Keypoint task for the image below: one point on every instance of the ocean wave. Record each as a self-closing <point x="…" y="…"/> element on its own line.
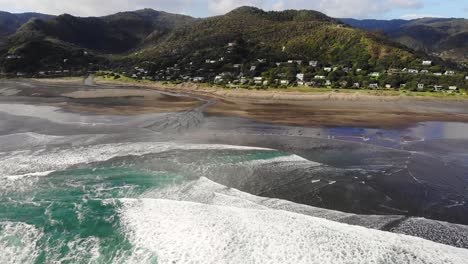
<point x="43" y="160"/>
<point x="190" y="232"/>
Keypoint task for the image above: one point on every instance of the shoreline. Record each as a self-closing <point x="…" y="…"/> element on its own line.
<point x="312" y="109"/>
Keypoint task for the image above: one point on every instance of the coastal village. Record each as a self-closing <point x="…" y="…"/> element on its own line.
<point x="424" y="75"/>
<point x="292" y="73"/>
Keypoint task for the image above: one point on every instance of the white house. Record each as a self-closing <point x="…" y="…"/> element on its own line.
<point x="218" y="79"/>
<point x="438" y="88"/>
<point x="388" y="86"/>
<point x="424" y="71"/>
<point x="328" y="83"/>
<point x="13" y="57"/>
<point x="253" y="68"/>
<point x="403" y="85"/>
<point x="413" y="71"/>
<point x="258" y="80"/>
<point x="236" y="65"/>
<point x="313" y="63"/>
<point x="374" y="85"/>
<point x="437" y="74"/>
<point x="319" y="77"/>
<point x="261" y="60"/>
<point x="427" y="63"/>
<point x="420" y="86"/>
<point x="356" y="85"/>
<point x="327" y="69"/>
<point x="284" y="82"/>
<point x="198" y="79"/>
<point x="466" y="77"/>
<point x="300" y="76"/>
<point x="453" y="88"/>
<point x="374" y="74"/>
<point x="449" y="73"/>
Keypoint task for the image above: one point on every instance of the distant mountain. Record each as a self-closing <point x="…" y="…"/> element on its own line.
<point x="66" y="37"/>
<point x="167" y="39"/>
<point x="9" y="22"/>
<point x="446" y="37"/>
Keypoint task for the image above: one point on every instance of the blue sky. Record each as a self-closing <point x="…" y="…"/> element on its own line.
<point x="380" y="9"/>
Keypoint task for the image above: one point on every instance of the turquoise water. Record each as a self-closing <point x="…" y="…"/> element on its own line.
<point x="71" y="216"/>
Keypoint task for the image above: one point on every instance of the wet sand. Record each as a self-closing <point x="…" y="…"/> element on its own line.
<point x="324" y="109"/>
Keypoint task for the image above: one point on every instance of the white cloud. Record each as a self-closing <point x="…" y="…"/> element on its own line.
<point x="352" y="8"/>
<point x="223" y="6"/>
<point x="416" y="16"/>
<point x="336" y="8"/>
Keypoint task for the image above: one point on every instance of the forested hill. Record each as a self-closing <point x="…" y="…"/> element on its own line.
<point x="277" y="36"/>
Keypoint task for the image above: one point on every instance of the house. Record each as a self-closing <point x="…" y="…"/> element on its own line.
<point x="236" y="65"/>
<point x="42" y="73"/>
<point x="10" y="57"/>
<point x="424" y="71"/>
<point x="374" y="85"/>
<point x="258" y="80"/>
<point x="313" y="63"/>
<point x="413" y="71"/>
<point x="243" y="80"/>
<point x="218" y="79"/>
<point x="388" y="86"/>
<point x="427" y="63"/>
<point x="300" y="83"/>
<point x="438" y="88"/>
<point x="284" y="82"/>
<point x="327" y="69"/>
<point x="466" y="78"/>
<point x="358" y="70"/>
<point x="253" y="68"/>
<point x="453" y="88"/>
<point x="300" y="76"/>
<point x="321" y="77"/>
<point x="374" y="74"/>
<point x="356" y="85"/>
<point x="262" y="60"/>
<point x="403" y="85"/>
<point x="437" y="74"/>
<point x="198" y="79"/>
<point x="449" y="73"/>
<point x="265" y="83"/>
<point x="328" y="83"/>
<point x="420" y="86"/>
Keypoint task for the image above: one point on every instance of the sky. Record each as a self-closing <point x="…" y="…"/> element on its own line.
<point x="378" y="9"/>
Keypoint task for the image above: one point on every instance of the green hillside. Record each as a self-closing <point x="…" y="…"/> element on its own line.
<point x="277" y="36"/>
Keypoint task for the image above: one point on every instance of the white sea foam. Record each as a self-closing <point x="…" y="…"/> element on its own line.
<point x="43" y="160"/>
<point x="18" y="242"/>
<point x="188" y="232"/>
<point x="284" y="159"/>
